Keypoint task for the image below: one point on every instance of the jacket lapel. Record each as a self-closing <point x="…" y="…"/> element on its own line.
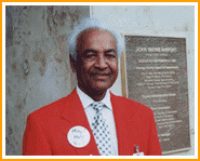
<point x="125" y="126"/>
<point x="125" y="120"/>
<point x="74" y="113"/>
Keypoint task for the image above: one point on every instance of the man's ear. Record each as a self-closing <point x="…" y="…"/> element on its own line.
<point x="73" y="64"/>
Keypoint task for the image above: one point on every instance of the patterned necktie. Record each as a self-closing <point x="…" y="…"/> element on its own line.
<point x="100" y="130"/>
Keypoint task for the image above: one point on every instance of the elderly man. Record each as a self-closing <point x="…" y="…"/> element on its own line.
<point x="91" y="120"/>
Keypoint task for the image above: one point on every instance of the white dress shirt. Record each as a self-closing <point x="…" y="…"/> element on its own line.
<point x="106" y="112"/>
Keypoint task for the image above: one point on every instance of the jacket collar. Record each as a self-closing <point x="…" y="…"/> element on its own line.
<point x="87" y="100"/>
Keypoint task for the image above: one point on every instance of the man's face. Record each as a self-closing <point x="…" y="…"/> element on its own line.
<point x="97" y="61"/>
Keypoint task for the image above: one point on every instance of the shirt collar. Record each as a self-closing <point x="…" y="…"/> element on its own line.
<point x="86" y="100"/>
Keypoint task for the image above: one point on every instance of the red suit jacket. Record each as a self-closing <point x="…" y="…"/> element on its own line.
<point x="47" y="128"/>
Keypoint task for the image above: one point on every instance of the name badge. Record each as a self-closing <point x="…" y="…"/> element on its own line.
<point x="137" y="153"/>
<point x="78" y="136"/>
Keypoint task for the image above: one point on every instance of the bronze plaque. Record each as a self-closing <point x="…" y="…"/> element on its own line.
<point x="156" y="75"/>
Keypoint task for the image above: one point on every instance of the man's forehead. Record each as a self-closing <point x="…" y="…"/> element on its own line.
<point x="93" y="32"/>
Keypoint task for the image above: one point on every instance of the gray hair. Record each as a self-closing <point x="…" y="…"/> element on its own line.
<point x="89" y="23"/>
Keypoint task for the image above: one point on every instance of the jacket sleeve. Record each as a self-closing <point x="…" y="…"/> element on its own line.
<point x="154" y="144"/>
<point x="34" y="141"/>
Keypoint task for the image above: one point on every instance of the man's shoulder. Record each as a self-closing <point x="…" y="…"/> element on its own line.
<point x="130" y="104"/>
<point x="55" y="108"/>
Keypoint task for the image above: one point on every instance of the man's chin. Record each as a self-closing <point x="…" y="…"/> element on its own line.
<point x="101" y="87"/>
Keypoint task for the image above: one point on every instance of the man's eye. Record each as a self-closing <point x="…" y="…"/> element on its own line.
<point x="110" y="55"/>
<point x="90" y="55"/>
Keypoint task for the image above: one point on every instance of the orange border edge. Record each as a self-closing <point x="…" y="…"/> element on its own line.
<point x="84" y="1"/>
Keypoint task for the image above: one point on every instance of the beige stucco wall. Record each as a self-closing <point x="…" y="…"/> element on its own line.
<point x="37" y="63"/>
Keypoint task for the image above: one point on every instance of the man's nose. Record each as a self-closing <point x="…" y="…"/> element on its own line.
<point x="101" y="62"/>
